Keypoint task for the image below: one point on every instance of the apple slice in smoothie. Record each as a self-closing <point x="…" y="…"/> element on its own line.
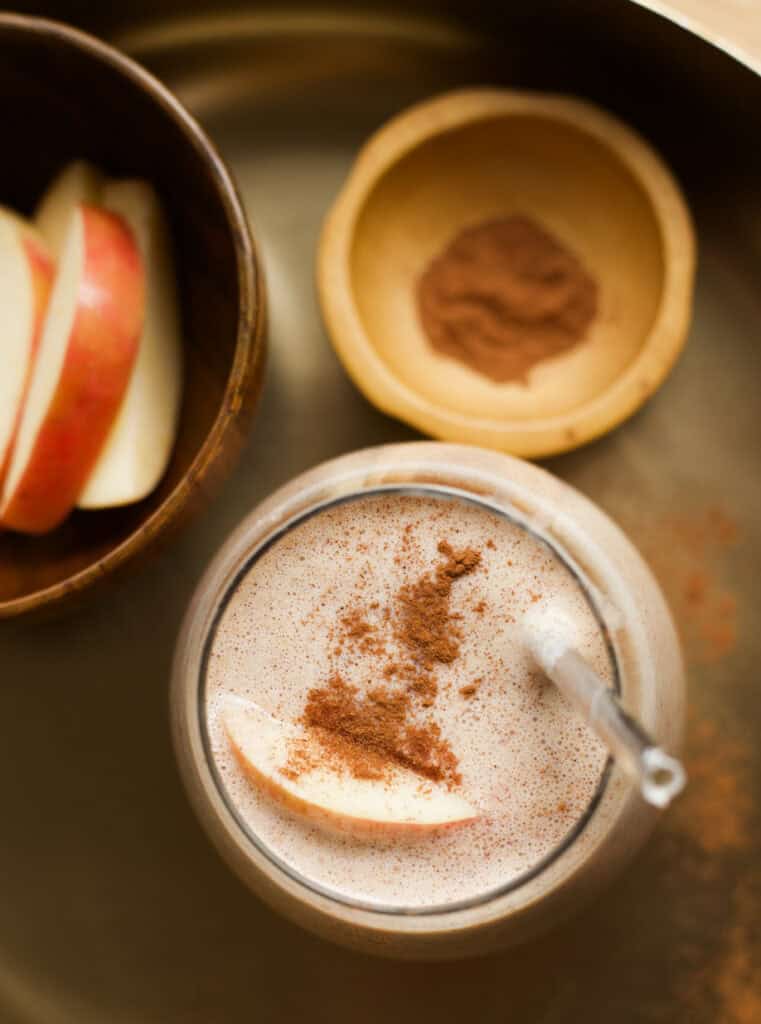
<point x="288" y="763"/>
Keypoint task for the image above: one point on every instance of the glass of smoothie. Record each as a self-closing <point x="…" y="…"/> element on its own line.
<point x="360" y="723"/>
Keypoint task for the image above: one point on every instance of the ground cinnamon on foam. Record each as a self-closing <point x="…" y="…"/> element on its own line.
<point x="369" y="733"/>
<point x="425" y="626"/>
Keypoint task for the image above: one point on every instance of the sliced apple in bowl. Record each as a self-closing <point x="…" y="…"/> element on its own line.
<point x="401" y="802"/>
<point x="78" y="182"/>
<point x="137" y="449"/>
<point x="86" y="354"/>
<point x="26" y="274"/>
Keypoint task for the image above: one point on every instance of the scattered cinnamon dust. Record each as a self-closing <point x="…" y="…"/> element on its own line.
<point x="710" y="846"/>
<point x="425" y="686"/>
<point x="738" y="973"/>
<point x="711" y="843"/>
<point x="357" y="630"/>
<point x="470" y="689"/>
<point x="687" y="555"/>
<point x="717" y="807"/>
<point x="301" y="759"/>
<point x="356" y="627"/>
<point x="708" y="609"/>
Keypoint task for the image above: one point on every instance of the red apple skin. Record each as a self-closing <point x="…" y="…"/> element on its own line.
<point x="100" y="353"/>
<point x="41" y="267"/>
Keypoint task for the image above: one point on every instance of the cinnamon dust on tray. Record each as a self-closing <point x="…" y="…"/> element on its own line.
<point x="709" y="846"/>
<point x="687" y="553"/>
<point x="709" y="849"/>
<point x="368" y="734"/>
<point x="717" y="810"/>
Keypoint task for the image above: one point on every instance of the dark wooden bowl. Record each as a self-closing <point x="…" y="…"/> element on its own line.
<point x="63" y="95"/>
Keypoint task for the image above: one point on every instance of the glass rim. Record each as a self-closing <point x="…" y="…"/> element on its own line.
<point x="411" y="489"/>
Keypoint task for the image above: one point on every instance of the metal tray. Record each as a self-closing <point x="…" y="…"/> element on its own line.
<point x="114" y="908"/>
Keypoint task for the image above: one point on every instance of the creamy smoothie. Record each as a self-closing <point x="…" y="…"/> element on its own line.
<point x="391" y="626"/>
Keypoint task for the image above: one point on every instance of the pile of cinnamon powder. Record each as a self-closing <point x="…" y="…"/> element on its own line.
<point x="505" y="295"/>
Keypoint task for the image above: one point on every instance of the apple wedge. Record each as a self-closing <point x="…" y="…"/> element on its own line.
<point x="26" y="275"/>
<point x="78" y="182"/>
<point x="138" y="447"/>
<point x="401" y="803"/>
<point x="30" y="234"/>
<point x="86" y="352"/>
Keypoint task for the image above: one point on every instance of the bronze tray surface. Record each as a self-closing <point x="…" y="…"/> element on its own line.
<point x="113" y="906"/>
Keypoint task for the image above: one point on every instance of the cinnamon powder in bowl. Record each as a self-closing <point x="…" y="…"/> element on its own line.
<point x="504" y="296"/>
<point x="508" y="269"/>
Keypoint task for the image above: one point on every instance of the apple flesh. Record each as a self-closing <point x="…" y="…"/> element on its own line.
<point x="138" y="447"/>
<point x="78" y="182"/>
<point x="26" y="274"/>
<point x="402" y="803"/>
<point x="86" y="354"/>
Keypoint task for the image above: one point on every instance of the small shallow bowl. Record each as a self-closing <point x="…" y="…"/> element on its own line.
<point x="479" y="154"/>
<point x="66" y="95"/>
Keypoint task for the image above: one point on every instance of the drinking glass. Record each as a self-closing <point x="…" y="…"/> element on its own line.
<point x="647" y="671"/>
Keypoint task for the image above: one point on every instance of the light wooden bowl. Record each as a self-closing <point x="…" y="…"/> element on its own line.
<point x="468" y="156"/>
<point x="66" y="95"/>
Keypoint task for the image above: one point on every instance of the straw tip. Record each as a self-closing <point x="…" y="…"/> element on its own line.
<point x="663" y="777"/>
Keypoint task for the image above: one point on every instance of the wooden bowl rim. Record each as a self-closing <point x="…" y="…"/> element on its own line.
<point x="249" y="348"/>
<point x="546" y="435"/>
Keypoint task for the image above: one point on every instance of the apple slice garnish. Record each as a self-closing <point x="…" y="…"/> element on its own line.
<point x="26" y="275"/>
<point x="86" y="352"/>
<point x="401" y="802"/>
<point x="78" y="182"/>
<point x="137" y="449"/>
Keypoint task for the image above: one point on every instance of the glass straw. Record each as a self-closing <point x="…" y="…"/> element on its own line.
<point x="659" y="775"/>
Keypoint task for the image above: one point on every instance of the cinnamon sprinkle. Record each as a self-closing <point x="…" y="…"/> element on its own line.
<point x="425" y="625"/>
<point x="355" y="625"/>
<point x="369" y="734"/>
<point x="471" y="689"/>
